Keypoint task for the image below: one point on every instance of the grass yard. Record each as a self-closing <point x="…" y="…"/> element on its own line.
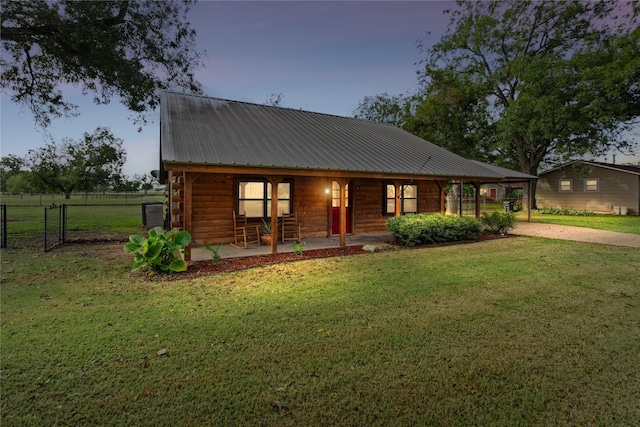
<point x="622" y="224"/>
<point x="518" y="331"/>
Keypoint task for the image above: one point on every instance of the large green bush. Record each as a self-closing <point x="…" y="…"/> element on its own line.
<point x="499" y="222"/>
<point x="411" y="230"/>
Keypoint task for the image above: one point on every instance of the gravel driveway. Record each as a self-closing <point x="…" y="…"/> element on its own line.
<point x="578" y="234"/>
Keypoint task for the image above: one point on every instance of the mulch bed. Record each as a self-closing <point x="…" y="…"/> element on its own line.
<point x="207" y="268"/>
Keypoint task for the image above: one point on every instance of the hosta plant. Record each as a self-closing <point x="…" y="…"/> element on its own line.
<point x="159" y="252"/>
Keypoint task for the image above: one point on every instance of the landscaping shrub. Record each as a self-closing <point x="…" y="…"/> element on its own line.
<point x="215" y="253"/>
<point x="411" y="230"/>
<point x="498" y="222"/>
<point x="160" y="252"/>
<point x="568" y="212"/>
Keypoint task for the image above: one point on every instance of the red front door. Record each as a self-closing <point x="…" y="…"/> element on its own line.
<point x="335" y="208"/>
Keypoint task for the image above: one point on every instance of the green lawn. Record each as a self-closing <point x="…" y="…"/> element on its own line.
<point x="622" y="224"/>
<point x="518" y="331"/>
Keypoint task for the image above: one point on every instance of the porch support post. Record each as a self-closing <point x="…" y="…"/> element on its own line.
<point x="528" y="184"/>
<point x="274" y="180"/>
<point x="398" y="198"/>
<point x="329" y="196"/>
<point x="189" y="178"/>
<point x="476" y="185"/>
<point x="343" y="210"/>
<point x="441" y="188"/>
<point x="461" y="195"/>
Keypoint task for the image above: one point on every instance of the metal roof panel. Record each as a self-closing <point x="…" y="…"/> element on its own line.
<point x="203" y="130"/>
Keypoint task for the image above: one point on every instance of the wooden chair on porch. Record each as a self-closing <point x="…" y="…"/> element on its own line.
<point x="244" y="236"/>
<point x="290" y="227"/>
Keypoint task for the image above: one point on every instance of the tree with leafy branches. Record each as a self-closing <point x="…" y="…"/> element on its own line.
<point x="129" y="49"/>
<point x="10" y="166"/>
<point x="19" y="183"/>
<point x="384" y="108"/>
<point x="522" y="83"/>
<point x="147" y="181"/>
<point x="94" y="161"/>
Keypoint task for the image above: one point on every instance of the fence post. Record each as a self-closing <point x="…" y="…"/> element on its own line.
<point x="45" y="228"/>
<point x="60" y="239"/>
<point x="63" y="214"/>
<point x="4" y="226"/>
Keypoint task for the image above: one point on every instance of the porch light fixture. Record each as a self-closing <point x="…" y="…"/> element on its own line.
<point x="327" y="191"/>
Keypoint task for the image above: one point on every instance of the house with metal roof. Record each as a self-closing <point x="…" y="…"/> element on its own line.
<point x="594" y="186"/>
<point x="338" y="175"/>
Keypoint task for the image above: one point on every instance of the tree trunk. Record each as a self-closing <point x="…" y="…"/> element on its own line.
<point x="531" y="168"/>
<point x="67" y="195"/>
<point x="529" y="163"/>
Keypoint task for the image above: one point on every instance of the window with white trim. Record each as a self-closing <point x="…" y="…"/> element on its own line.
<point x="408" y="199"/>
<point x="565" y="185"/>
<point x="254" y="198"/>
<point x="592" y="184"/>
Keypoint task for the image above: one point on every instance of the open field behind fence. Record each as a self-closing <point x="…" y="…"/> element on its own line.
<point x="81" y="199"/>
<point x="88" y="219"/>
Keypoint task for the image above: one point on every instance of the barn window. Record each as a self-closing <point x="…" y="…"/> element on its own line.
<point x="591" y="184"/>
<point x="408" y="199"/>
<point x="254" y="198"/>
<point x="565" y="185"/>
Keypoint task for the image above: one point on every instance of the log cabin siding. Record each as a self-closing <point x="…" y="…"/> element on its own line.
<point x="368" y="199"/>
<point x="212" y="209"/>
<point x="428" y="197"/>
<point x="311" y="203"/>
<point x="214" y="199"/>
<point x="616" y="188"/>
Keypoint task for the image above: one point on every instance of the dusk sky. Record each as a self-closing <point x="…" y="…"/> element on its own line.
<point x="322" y="56"/>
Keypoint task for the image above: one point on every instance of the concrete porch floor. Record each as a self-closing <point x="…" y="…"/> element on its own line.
<point x="200" y="253"/>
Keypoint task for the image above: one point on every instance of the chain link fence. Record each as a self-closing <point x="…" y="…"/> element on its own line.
<point x="35" y="227"/>
<point x="44" y="200"/>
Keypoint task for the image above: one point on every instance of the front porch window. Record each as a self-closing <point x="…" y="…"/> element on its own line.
<point x="408" y="199"/>
<point x="254" y="198"/>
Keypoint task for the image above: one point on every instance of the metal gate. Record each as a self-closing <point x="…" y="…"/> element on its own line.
<point x="55" y="226"/>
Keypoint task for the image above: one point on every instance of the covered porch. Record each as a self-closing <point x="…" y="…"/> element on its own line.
<point x="379" y="240"/>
